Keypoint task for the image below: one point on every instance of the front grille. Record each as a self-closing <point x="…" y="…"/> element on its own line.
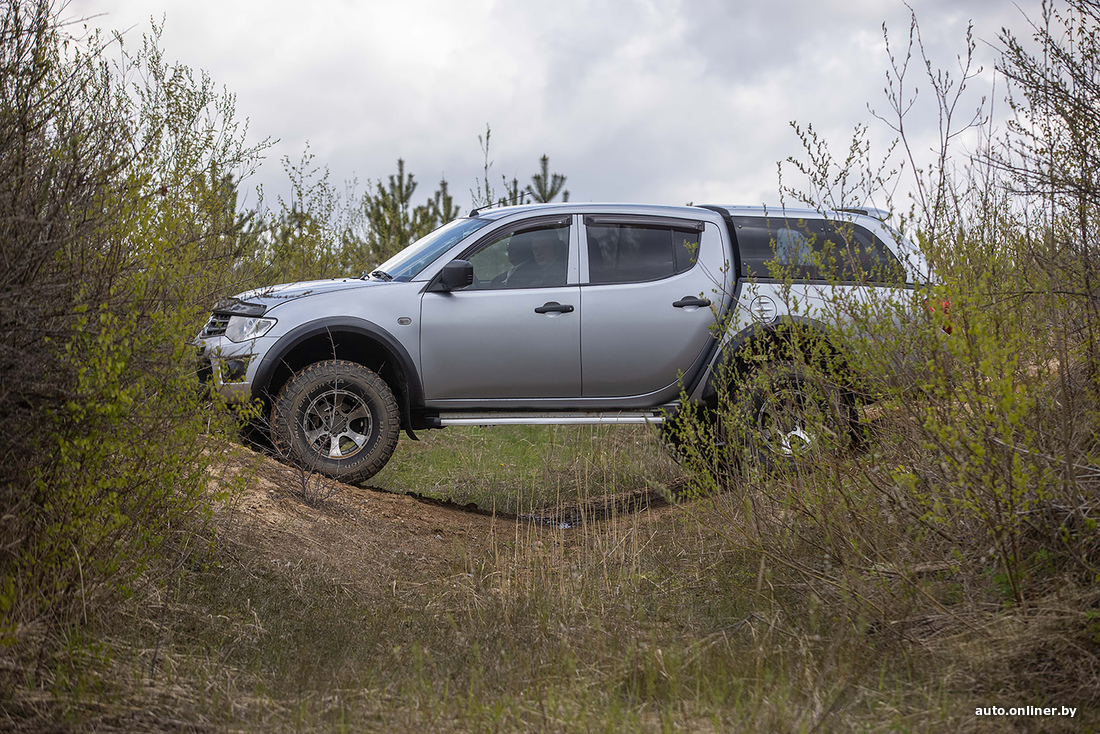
<point x="215" y="326"/>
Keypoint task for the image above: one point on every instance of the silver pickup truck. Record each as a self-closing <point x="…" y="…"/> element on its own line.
<point x="553" y="313"/>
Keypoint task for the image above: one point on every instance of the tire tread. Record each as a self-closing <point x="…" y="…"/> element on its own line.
<point x="286" y="407"/>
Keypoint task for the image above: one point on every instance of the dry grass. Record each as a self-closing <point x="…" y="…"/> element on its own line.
<point x="377" y="612"/>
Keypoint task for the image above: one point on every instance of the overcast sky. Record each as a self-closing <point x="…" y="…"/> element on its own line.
<point x="663" y="101"/>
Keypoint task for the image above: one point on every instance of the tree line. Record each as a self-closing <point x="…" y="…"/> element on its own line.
<point x="317" y="232"/>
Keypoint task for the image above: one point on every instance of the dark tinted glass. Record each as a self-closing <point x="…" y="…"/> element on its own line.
<point x="685" y="246"/>
<point x="813" y="249"/>
<point x="632" y="253"/>
<point x="786" y="243"/>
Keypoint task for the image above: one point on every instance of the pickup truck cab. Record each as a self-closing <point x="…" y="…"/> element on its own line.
<point x="553" y="313"/>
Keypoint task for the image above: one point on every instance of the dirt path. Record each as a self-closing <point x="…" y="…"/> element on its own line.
<point x="369" y="537"/>
<point x="375" y="539"/>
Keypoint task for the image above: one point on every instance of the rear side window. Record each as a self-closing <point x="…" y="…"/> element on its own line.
<point x="813" y="249"/>
<point x="631" y="252"/>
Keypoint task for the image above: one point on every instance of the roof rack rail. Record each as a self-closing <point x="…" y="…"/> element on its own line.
<point x="880" y="214"/>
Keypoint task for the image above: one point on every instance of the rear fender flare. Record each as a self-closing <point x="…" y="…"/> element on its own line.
<point x="734" y="356"/>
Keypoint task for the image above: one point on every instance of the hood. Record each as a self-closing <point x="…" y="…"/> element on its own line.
<point x="259" y="300"/>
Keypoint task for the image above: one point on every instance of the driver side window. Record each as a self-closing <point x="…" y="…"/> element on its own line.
<point x="526" y="258"/>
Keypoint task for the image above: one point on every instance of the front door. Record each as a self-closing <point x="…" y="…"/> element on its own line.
<point x="515" y="333"/>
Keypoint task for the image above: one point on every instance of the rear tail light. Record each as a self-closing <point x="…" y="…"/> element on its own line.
<point x="940" y="310"/>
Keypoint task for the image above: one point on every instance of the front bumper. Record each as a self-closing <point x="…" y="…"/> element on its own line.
<point x="226" y="367"/>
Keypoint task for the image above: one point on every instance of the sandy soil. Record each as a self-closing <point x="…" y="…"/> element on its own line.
<point x="371" y="538"/>
<point x="377" y="540"/>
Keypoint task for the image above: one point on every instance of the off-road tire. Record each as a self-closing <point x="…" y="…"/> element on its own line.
<point x="695" y="439"/>
<point x="788" y="414"/>
<point x="337" y="418"/>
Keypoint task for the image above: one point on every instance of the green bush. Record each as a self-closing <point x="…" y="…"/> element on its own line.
<point x="117" y="226"/>
<point x="972" y="488"/>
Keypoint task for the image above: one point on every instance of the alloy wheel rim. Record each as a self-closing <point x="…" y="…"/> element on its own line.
<point x="337" y="423"/>
<point x="782" y="421"/>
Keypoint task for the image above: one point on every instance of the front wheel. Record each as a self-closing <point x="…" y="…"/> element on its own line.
<point x="337" y="418"/>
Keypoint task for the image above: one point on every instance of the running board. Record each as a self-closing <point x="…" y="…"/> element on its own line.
<point x="551" y="419"/>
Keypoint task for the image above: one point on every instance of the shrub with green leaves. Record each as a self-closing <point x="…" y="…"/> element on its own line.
<point x="976" y="471"/>
<point x="117" y="229"/>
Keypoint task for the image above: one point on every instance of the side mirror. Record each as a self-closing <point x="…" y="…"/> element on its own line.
<point x="455" y="275"/>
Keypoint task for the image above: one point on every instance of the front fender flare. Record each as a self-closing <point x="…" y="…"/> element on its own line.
<point x="333" y="326"/>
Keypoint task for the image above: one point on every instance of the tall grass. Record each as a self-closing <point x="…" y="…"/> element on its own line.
<point x="658" y="620"/>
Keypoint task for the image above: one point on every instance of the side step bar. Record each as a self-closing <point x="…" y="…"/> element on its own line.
<point x="551" y="419"/>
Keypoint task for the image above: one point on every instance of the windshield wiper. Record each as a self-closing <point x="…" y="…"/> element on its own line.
<point x="380" y="274"/>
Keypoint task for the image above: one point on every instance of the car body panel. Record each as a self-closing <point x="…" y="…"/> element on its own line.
<point x="624" y="346"/>
<point x="492" y="344"/>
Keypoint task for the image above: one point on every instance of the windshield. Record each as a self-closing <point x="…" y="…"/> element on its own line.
<point x="408" y="263"/>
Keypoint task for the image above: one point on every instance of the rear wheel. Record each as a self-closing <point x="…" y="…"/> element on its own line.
<point x="337" y="418"/>
<point x="789" y="414"/>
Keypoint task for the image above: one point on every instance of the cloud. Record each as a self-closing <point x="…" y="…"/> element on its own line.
<point x="658" y="100"/>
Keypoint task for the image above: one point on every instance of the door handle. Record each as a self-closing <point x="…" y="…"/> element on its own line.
<point x="554" y="307"/>
<point x="691" y="301"/>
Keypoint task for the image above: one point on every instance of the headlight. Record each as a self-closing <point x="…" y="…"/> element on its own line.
<point x="243" y="328"/>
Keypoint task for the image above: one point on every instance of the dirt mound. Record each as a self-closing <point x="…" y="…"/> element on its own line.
<point x="378" y="541"/>
<point x="367" y="537"/>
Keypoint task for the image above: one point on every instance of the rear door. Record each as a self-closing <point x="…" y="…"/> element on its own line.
<point x="648" y="287"/>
